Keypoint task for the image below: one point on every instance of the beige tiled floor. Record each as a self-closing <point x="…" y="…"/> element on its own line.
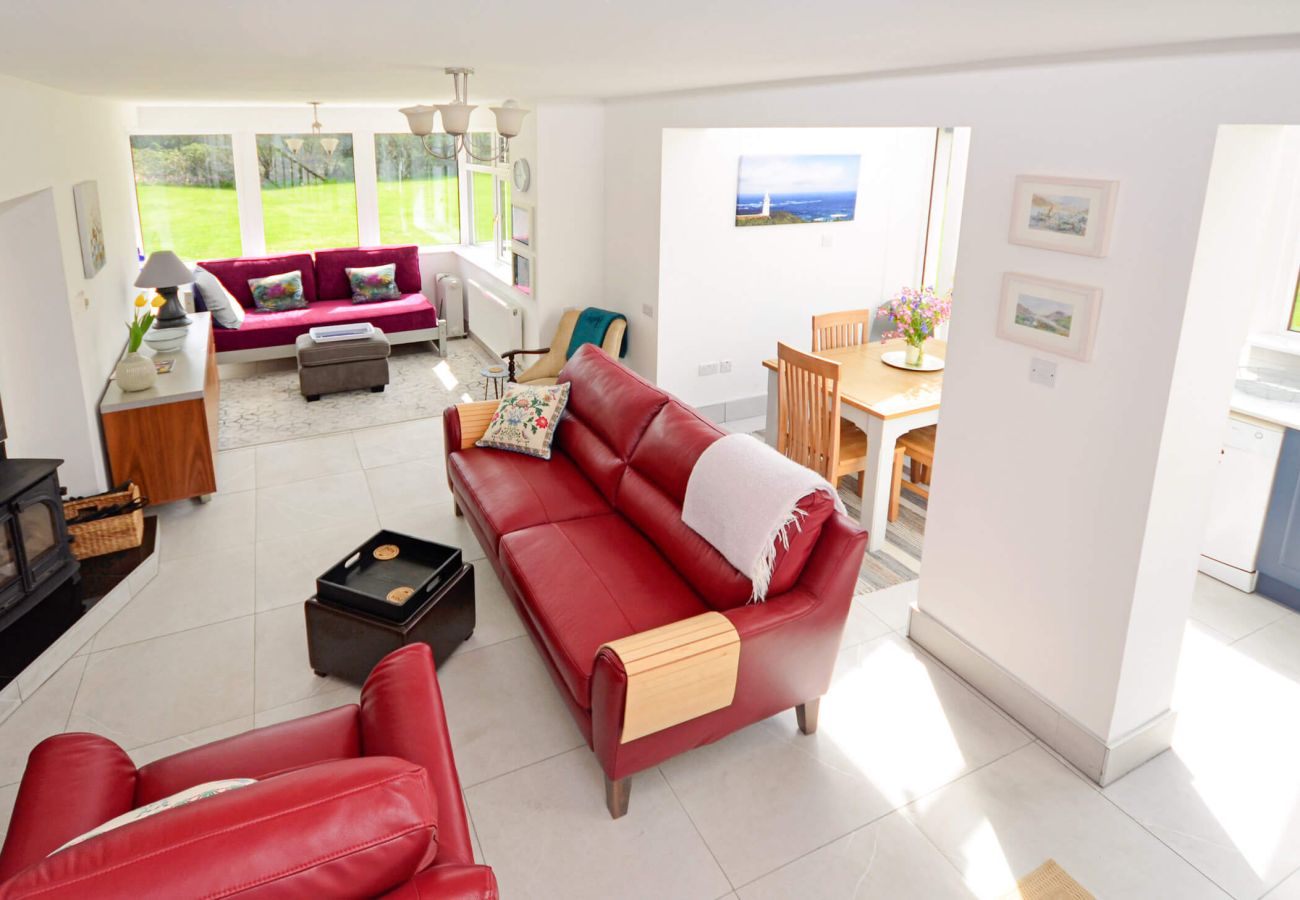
<point x="914" y="786"/>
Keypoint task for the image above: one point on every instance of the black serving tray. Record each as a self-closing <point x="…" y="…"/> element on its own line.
<point x="362" y="583"/>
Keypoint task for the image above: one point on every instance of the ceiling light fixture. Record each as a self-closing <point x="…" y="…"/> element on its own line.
<point x="328" y="144"/>
<point x="455" y="120"/>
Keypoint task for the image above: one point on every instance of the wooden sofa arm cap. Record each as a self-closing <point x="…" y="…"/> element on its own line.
<point x="474" y="420"/>
<point x="677" y="672"/>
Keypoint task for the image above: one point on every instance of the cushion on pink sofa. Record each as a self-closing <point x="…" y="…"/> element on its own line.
<point x="410" y="313"/>
<point x="332" y="265"/>
<point x="234" y="273"/>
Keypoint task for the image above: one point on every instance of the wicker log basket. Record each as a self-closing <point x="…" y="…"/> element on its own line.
<point x="105" y="535"/>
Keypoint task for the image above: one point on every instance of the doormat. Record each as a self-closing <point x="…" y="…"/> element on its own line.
<point x="1049" y="882"/>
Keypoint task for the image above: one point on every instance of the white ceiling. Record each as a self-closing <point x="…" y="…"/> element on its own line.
<point x="280" y="51"/>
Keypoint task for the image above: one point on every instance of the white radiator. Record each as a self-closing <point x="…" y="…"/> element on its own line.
<point x="451" y="303"/>
<point x="498" y="325"/>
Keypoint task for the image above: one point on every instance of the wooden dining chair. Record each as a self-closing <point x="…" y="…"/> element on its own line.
<point x="809" y="428"/>
<point x="841" y="329"/>
<point x="917" y="445"/>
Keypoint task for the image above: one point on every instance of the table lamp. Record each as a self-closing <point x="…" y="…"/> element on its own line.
<point x="164" y="272"/>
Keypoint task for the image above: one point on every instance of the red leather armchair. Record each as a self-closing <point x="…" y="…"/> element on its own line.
<point x="360" y="801"/>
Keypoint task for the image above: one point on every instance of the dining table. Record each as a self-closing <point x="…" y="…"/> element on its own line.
<point x="885" y="402"/>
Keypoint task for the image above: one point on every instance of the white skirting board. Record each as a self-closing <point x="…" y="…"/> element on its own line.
<point x="1102" y="761"/>
<point x="1230" y="575"/>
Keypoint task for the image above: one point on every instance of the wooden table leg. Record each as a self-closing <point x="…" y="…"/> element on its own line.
<point x="616" y="796"/>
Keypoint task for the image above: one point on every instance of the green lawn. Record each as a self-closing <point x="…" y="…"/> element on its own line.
<point x="203" y="223"/>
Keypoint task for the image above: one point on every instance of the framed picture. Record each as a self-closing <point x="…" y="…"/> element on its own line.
<point x="521" y="224"/>
<point x="1070" y="214"/>
<point x="1055" y="316"/>
<point x="90" y="227"/>
<point x="521" y="272"/>
<point x="797" y="190"/>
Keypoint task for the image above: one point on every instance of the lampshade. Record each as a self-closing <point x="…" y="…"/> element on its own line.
<point x="163" y="269"/>
<point x="455" y="117"/>
<point x="510" y="118"/>
<point x="420" y="118"/>
<point x="294" y="145"/>
<point x="329" y="145"/>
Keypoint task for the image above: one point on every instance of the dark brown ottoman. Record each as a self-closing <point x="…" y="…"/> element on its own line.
<point x="334" y="366"/>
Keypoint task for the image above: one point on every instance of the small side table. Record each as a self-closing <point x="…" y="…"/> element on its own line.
<point x="347" y="643"/>
<point x="494" y="380"/>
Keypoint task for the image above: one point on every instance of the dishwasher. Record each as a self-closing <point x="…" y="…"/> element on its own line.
<point x="1239" y="504"/>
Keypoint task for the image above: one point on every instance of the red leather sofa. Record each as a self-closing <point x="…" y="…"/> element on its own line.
<point x="591" y="548"/>
<point x="325" y="286"/>
<point x="360" y="801"/>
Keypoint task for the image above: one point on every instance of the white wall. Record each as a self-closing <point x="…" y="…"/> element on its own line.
<point x="53" y="140"/>
<point x="729" y="293"/>
<point x="1038" y="527"/>
<point x="569" y="219"/>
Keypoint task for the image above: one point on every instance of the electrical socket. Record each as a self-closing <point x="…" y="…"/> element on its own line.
<point x="710" y="368"/>
<point x="1042" y="371"/>
<point x="647" y="310"/>
<point x="725" y="366"/>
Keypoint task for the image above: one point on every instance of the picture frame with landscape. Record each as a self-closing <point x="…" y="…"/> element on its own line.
<point x="1073" y="215"/>
<point x="797" y="189"/>
<point x="1055" y="316"/>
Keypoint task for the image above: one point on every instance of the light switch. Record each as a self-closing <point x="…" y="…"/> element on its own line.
<point x="1042" y="371"/>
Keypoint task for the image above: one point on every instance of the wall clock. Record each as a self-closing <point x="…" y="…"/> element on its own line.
<point x="523" y="175"/>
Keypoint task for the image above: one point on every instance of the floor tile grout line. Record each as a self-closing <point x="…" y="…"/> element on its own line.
<point x="703" y="840"/>
<point x="1101" y="792"/>
<point x="186" y="630"/>
<point x="1233" y="643"/>
<point x="1284" y="879"/>
<point x="1010" y="719"/>
<point x="81" y="679"/>
<point x="478" y="784"/>
<point x="887" y="813"/>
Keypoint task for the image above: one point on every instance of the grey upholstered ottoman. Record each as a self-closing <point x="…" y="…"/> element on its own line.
<point x="334" y="366"/>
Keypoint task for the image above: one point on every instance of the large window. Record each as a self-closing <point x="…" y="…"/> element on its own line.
<point x="418" y="195"/>
<point x="185" y="191"/>
<point x="309" y="196"/>
<point x="489" y="188"/>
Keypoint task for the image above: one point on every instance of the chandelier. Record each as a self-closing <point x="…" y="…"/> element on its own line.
<point x="328" y="144"/>
<point x="455" y="121"/>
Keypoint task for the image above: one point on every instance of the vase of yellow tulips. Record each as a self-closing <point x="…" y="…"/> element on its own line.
<point x="136" y="372"/>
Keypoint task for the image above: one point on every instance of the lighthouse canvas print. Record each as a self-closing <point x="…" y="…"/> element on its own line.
<point x="797" y="189"/>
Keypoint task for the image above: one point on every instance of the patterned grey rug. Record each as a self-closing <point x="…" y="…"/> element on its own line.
<point x="900" y="559"/>
<point x="266" y="406"/>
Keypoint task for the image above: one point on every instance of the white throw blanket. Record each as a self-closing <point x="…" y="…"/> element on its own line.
<point x="742" y="498"/>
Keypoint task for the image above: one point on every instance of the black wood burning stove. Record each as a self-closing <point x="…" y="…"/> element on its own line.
<point x="35" y="559"/>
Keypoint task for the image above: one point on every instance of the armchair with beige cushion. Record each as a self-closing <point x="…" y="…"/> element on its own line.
<point x="547" y="369"/>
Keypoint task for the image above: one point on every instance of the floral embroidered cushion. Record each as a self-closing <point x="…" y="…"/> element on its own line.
<point x="374" y="283"/>
<point x="525" y="419"/>
<point x="276" y="293"/>
<point x="181" y="798"/>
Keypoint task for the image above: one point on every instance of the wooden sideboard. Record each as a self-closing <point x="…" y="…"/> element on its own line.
<point x="165" y="439"/>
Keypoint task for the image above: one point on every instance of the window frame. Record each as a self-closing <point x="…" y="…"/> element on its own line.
<point x="138" y="218"/>
<point x="365" y="177"/>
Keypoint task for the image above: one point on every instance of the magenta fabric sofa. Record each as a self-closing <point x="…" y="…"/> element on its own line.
<point x="413" y="317"/>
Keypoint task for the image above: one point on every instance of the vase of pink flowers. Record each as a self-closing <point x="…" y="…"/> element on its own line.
<point x="916" y="315"/>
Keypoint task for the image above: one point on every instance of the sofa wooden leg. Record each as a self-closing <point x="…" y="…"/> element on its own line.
<point x="616" y="796"/>
<point x="806" y="713"/>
